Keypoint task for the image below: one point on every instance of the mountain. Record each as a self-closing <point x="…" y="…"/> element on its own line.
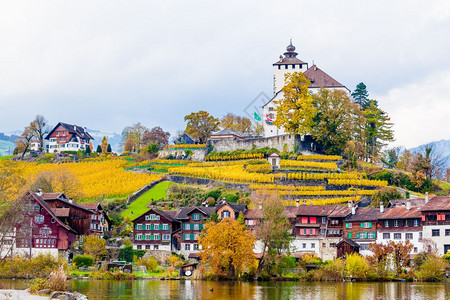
<point x="114" y="139"/>
<point x="441" y="147"/>
<point x="6" y="147"/>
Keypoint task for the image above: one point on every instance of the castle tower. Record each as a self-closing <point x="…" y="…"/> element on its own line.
<point x="287" y="64"/>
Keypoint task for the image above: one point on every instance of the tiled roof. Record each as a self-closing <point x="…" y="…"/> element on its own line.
<point x="365" y="214"/>
<point x="340" y="211"/>
<point x="72" y="129"/>
<point x="400" y="212"/>
<point x="350" y="242"/>
<point x="90" y="206"/>
<point x="289" y="61"/>
<point x="236" y="207"/>
<point x="402" y="202"/>
<point x="61" y="212"/>
<point x="185" y="211"/>
<point x="47" y="196"/>
<point x="228" y="132"/>
<point x="437" y="203"/>
<point x="320" y="79"/>
<point x="167" y="214"/>
<point x="314" y="210"/>
<point x="253" y="214"/>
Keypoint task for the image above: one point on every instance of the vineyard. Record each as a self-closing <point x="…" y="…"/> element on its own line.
<point x="86" y="180"/>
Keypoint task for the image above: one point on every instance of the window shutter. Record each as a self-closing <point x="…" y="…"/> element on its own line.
<point x="200" y="226"/>
<point x="192" y="236"/>
<point x="375" y="234"/>
<point x="366" y="235"/>
<point x="357" y="235"/>
<point x="136" y="237"/>
<point x="346" y="225"/>
<point x="370" y="224"/>
<point x="151" y="237"/>
<point x="349" y="235"/>
<point x="192" y="226"/>
<point x="184" y="237"/>
<point x="362" y="224"/>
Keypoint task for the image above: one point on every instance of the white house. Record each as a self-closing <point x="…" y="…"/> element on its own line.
<point x="289" y="63"/>
<point x="436" y="225"/>
<point x="67" y="137"/>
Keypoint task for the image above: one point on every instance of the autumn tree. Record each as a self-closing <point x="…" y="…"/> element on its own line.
<point x="378" y="130"/>
<point x="11" y="181"/>
<point x="227" y="247"/>
<point x="130" y="146"/>
<point x="379" y="260"/>
<point x="104" y="145"/>
<point x="234" y="122"/>
<point x="258" y="128"/>
<point x="273" y="231"/>
<point x="429" y="161"/>
<point x="295" y="111"/>
<point x="156" y="135"/>
<point x="40" y="128"/>
<point x="24" y="141"/>
<point x="61" y="181"/>
<point x="200" y="125"/>
<point x="94" y="246"/>
<point x="361" y="95"/>
<point x="334" y="119"/>
<point x="400" y="254"/>
<point x="134" y="134"/>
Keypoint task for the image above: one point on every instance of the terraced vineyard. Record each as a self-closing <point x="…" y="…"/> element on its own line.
<point x="322" y="183"/>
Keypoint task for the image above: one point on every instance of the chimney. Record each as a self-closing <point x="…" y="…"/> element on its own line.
<point x="426" y="198"/>
<point x="315" y="68"/>
<point x="39" y="193"/>
<point x="75" y="127"/>
<point x="350" y="204"/>
<point x="353" y="210"/>
<point x="297" y="203"/>
<point x="70" y="201"/>
<point x="408" y="204"/>
<point x="281" y="58"/>
<point x="260" y="207"/>
<point x="381" y="207"/>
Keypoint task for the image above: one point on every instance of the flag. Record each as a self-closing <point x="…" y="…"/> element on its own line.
<point x="257" y="117"/>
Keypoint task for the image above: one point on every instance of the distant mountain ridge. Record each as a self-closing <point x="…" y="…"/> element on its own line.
<point x="442" y="147"/>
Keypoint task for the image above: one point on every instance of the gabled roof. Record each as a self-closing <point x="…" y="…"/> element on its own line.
<point x="228" y="131"/>
<point x="400" y="212"/>
<point x="365" y="214"/>
<point x="61" y="212"/>
<point x="90" y="206"/>
<point x="320" y="79"/>
<point x="236" y="207"/>
<point x="437" y="203"/>
<point x="348" y="241"/>
<point x="314" y="210"/>
<point x="289" y="61"/>
<point x="72" y="129"/>
<point x="340" y="211"/>
<point x="185" y="211"/>
<point x="47" y="196"/>
<point x="402" y="202"/>
<point x="67" y="202"/>
<point x="48" y="209"/>
<point x="169" y="215"/>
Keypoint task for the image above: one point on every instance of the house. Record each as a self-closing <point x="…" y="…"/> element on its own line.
<point x="41" y="230"/>
<point x="436" y="224"/>
<point x="83" y="220"/>
<point x="274" y="160"/>
<point x="184" y="138"/>
<point x="229" y="209"/>
<point x="361" y="227"/>
<point x="154" y="229"/>
<point x="334" y="232"/>
<point x="67" y="137"/>
<point x="288" y="64"/>
<point x="401" y="224"/>
<point x="100" y="222"/>
<point x="346" y="246"/>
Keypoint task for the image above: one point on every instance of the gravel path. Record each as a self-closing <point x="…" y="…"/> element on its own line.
<point x="19" y="295"/>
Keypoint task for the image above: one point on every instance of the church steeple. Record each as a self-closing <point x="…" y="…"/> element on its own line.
<point x="290" y="50"/>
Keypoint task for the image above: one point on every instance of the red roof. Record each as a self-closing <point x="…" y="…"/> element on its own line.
<point x="47" y="196"/>
<point x="90" y="206"/>
<point x="400" y="212"/>
<point x="320" y="79"/>
<point x="61" y="212"/>
<point x="437" y="203"/>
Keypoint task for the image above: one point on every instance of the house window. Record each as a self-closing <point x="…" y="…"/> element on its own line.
<point x="45" y="231"/>
<point x="304" y="245"/>
<point x="152" y="217"/>
<point x="312" y="220"/>
<point x="165" y="227"/>
<point x="366" y="225"/>
<point x="324" y="220"/>
<point x="324" y="245"/>
<point x="310" y="231"/>
<point x="397" y="236"/>
<point x="408" y="236"/>
<point x="293" y="66"/>
<point x="416" y="223"/>
<point x="371" y="235"/>
<point x="195" y="246"/>
<point x="332" y="245"/>
<point x="447" y="217"/>
<point x="386" y="236"/>
<point x="431" y="218"/>
<point x="386" y="224"/>
<point x="395" y="223"/>
<point x="196" y="217"/>
<point x="334" y="222"/>
<point x="364" y="247"/>
<point x="39" y="219"/>
<point x="156" y="226"/>
<point x="285" y="66"/>
<point x="322" y="231"/>
<point x="279" y="67"/>
<point x="415" y="249"/>
<point x="270" y="108"/>
<point x="147" y="247"/>
<point x="250" y="222"/>
<point x="155" y="247"/>
<point x="313" y="245"/>
<point x="304" y="220"/>
<point x="348" y="225"/>
<point x="225" y="214"/>
<point x="139" y="247"/>
<point x="148" y="227"/>
<point x="166" y="237"/>
<point x="187" y="247"/>
<point x="420" y="236"/>
<point x="447" y="232"/>
<point x="435" y="232"/>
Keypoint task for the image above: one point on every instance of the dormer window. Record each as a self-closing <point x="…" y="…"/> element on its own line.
<point x="225" y="214"/>
<point x="196" y="217"/>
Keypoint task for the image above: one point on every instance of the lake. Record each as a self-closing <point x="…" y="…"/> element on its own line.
<point x="156" y="289"/>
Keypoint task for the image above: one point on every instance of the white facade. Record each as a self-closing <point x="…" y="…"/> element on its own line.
<point x="74" y="145"/>
<point x="414" y="237"/>
<point x="188" y="248"/>
<point x="439" y="235"/>
<point x="305" y="245"/>
<point x="150" y="246"/>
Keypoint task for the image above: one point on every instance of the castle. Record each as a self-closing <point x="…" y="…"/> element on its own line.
<point x="290" y="64"/>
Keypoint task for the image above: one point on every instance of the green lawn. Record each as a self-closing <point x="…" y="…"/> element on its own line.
<point x="6" y="157"/>
<point x="139" y="206"/>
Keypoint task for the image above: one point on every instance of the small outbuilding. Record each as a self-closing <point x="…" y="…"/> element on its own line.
<point x="274" y="159"/>
<point x="188" y="270"/>
<point x="347" y="246"/>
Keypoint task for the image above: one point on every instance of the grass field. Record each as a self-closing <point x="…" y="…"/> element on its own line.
<point x="139" y="206"/>
<point x="6" y="157"/>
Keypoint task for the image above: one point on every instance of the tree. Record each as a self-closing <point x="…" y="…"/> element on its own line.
<point x="152" y="148"/>
<point x="134" y="133"/>
<point x="88" y="150"/>
<point x="380" y="258"/>
<point x="156" y="135"/>
<point x="429" y="162"/>
<point x="258" y="128"/>
<point x="227" y="247"/>
<point x="99" y="149"/>
<point x="334" y="120"/>
<point x="61" y="181"/>
<point x="391" y="157"/>
<point x="356" y="266"/>
<point x="24" y="141"/>
<point x="400" y="254"/>
<point x="296" y="111"/>
<point x="104" y="145"/>
<point x="361" y="95"/>
<point x="130" y="145"/>
<point x="40" y="128"/>
<point x="378" y="129"/>
<point x="273" y="231"/>
<point x="234" y="122"/>
<point x="94" y="246"/>
<point x="108" y="149"/>
<point x="200" y="125"/>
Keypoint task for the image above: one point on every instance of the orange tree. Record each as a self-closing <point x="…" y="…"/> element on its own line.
<point x="227" y="247"/>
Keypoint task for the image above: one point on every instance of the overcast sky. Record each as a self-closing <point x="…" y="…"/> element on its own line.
<point x="109" y="64"/>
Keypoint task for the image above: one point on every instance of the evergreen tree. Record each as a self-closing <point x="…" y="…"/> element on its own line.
<point x="99" y="149"/>
<point x="109" y="150"/>
<point x="88" y="150"/>
<point x="361" y="95"/>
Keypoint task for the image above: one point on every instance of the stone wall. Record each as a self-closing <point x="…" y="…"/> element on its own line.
<point x="278" y="142"/>
<point x="202" y="181"/>
<point x="197" y="154"/>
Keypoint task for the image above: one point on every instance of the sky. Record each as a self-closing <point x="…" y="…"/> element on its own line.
<point x="105" y="65"/>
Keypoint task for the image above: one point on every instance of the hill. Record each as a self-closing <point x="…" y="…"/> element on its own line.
<point x="442" y="148"/>
<point x="6" y="147"/>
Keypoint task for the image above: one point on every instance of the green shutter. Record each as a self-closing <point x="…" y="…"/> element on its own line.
<point x="366" y="235"/>
<point x="375" y="234"/>
<point x="192" y="226"/>
<point x="357" y="235"/>
<point x="346" y="225"/>
<point x="200" y="226"/>
<point x="159" y="237"/>
<point x="192" y="236"/>
<point x="370" y="224"/>
<point x="184" y="238"/>
<point x="151" y="237"/>
<point x="349" y="235"/>
<point x="136" y="237"/>
<point x="362" y="224"/>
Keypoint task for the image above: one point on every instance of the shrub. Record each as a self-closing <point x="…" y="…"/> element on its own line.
<point x="332" y="270"/>
<point x="38" y="266"/>
<point x="57" y="281"/>
<point x="151" y="263"/>
<point x="356" y="266"/>
<point x="384" y="195"/>
<point x="83" y="261"/>
<point x="231" y="197"/>
<point x="433" y="269"/>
